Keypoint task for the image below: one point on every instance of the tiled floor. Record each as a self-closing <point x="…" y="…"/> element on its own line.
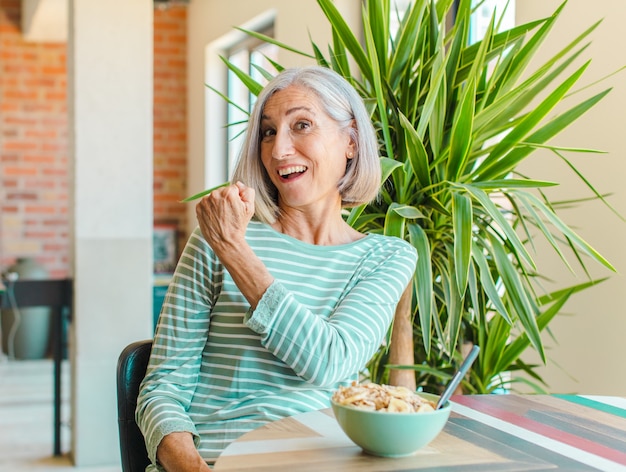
<point x="26" y="430"/>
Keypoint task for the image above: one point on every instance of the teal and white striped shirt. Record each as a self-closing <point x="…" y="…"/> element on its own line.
<point x="219" y="369"/>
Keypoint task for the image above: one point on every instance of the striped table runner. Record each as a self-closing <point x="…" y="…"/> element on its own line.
<point x="484" y="433"/>
<point x="570" y="432"/>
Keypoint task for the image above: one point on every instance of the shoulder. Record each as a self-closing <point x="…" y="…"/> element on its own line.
<point x="258" y="233"/>
<point x="391" y="244"/>
<point x="258" y="227"/>
<point x="389" y="253"/>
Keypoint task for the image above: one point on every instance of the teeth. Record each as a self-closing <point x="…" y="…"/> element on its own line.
<point x="291" y="170"/>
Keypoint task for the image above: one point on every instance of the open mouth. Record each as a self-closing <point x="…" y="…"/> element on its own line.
<point x="292" y="172"/>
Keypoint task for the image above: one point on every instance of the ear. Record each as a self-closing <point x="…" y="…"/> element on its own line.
<point x="350" y="151"/>
<point x="352" y="134"/>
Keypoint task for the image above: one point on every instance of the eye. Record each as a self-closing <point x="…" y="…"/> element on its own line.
<point x="267" y="132"/>
<point x="302" y="125"/>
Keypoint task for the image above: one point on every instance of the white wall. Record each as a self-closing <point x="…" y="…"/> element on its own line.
<point x="209" y="20"/>
<point x="589" y="354"/>
<point x="110" y="98"/>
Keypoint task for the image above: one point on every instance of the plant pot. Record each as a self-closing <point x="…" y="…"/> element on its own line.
<point x="25" y="331"/>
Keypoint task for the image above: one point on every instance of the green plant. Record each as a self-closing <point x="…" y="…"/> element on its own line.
<point x="455" y="121"/>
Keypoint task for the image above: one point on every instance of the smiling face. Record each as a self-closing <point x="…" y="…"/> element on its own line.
<point x="303" y="150"/>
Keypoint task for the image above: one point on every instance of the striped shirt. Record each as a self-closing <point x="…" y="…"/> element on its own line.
<point x="219" y="369"/>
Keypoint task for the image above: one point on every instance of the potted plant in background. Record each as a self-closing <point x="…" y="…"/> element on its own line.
<point x="455" y="121"/>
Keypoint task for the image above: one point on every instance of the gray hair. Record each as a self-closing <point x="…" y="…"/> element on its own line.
<point x="361" y="181"/>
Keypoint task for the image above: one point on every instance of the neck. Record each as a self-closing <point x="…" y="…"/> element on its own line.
<point x="318" y="231"/>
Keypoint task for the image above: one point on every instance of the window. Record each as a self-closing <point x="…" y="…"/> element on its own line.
<point x="221" y="141"/>
<point x="245" y="55"/>
<point x="504" y="9"/>
<point x="505" y="15"/>
<point x="398" y="10"/>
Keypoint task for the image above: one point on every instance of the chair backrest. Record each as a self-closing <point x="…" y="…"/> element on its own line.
<point x="131" y="369"/>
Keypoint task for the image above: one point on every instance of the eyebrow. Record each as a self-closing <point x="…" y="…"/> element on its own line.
<point x="290" y="111"/>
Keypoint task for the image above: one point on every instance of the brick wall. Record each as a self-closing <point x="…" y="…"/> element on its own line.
<point x="33" y="147"/>
<point x="34" y="168"/>
<point x="170" y="116"/>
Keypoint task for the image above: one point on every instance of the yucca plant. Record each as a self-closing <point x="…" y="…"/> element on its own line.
<point x="455" y="121"/>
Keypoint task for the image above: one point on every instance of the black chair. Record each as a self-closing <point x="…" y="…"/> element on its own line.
<point x="131" y="369"/>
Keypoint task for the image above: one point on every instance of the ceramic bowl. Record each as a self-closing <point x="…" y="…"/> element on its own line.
<point x="387" y="434"/>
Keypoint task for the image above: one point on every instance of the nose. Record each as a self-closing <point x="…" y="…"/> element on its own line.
<point x="283" y="144"/>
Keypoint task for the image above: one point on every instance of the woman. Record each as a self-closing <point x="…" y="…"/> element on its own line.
<point x="276" y="300"/>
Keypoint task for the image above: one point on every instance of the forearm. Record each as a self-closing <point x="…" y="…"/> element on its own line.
<point x="170" y="382"/>
<point x="177" y="453"/>
<point x="322" y="351"/>
<point x="246" y="269"/>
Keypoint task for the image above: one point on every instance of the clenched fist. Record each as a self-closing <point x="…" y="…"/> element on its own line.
<point x="224" y="214"/>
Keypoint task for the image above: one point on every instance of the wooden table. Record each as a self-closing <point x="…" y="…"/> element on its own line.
<point x="484" y="433"/>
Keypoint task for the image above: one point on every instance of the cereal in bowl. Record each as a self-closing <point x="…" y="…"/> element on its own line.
<point x="372" y="396"/>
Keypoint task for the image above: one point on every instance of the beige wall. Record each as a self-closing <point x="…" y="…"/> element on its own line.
<point x="589" y="354"/>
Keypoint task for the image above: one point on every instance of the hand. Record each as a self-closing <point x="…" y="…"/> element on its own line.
<point x="177" y="453"/>
<point x="224" y="214"/>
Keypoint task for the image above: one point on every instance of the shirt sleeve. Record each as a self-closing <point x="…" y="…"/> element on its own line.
<point x="173" y="370"/>
<point x="324" y="351"/>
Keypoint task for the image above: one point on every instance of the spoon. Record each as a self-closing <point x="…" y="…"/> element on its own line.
<point x="456" y="380"/>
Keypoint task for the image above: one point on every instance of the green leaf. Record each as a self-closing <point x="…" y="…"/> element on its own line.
<point x="488" y="169"/>
<point x="563" y="228"/>
<point x="502" y="184"/>
<point x="354" y="215"/>
<point x="253" y="86"/>
<point x="204" y="193"/>
<point x="454" y="54"/>
<point x="405" y="46"/>
<point x="488" y="284"/>
<point x="498" y="337"/>
<point x="423" y="280"/>
<point x="417" y="153"/>
<point x="394" y="221"/>
<point x="369" y="222"/>
<point x="454" y="305"/>
<point x="344" y="32"/>
<point x="228" y="100"/>
<point x="536" y="219"/>
<point x="552" y="128"/>
<point x="525" y="55"/>
<point x="501" y="221"/>
<point x="462" y="221"/>
<point x="377" y="75"/>
<point x="517" y="294"/>
<point x="461" y="139"/>
<point x="515" y="348"/>
<point x="266" y="74"/>
<point x="408" y="212"/>
<point x="271" y="40"/>
<point x="339" y="57"/>
<point x="378" y="18"/>
<point x="437" y="80"/>
<point x="319" y="57"/>
<point x="388" y="165"/>
<point x="555" y="295"/>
